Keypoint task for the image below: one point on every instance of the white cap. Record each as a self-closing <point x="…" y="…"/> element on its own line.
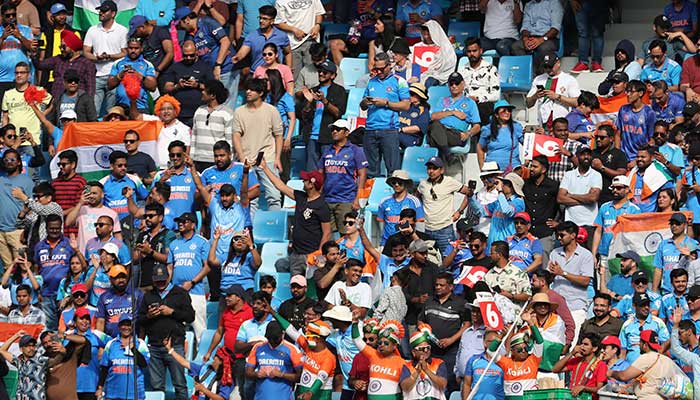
<point x="620" y="180"/>
<point x="68" y="114"/>
<point x="111" y="248"/>
<point x="341" y="123"/>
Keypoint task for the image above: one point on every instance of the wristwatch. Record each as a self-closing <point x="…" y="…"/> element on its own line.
<point x="545" y="38"/>
<point x="565" y="274"/>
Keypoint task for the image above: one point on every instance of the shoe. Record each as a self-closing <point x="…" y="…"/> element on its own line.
<point x="596" y="67"/>
<point x="580" y="67"/>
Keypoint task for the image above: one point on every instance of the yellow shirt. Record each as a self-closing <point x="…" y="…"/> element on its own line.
<point x="21" y="115"/>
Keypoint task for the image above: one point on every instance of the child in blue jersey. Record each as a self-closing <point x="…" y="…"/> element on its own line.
<point x="268" y="284"/>
<point x="21" y="274"/>
<point x="120" y="356"/>
<point x="635" y="121"/>
<point x="242" y="262"/>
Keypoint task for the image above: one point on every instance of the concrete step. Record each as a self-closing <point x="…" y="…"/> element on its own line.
<point x="628" y="30"/>
<point x="640" y="15"/>
<point x="652" y="4"/>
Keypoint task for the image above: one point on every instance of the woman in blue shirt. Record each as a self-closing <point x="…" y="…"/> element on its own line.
<point x="241" y="263"/>
<point x="414" y="122"/>
<point x="21" y="274"/>
<point x="499" y="139"/>
<point x="278" y="97"/>
<point x="77" y="273"/>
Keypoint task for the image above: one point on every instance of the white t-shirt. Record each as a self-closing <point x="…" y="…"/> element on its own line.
<point x="176" y="131"/>
<point x="498" y="22"/>
<point x="575" y="183"/>
<point x="300" y="14"/>
<point x="359" y="295"/>
<point x="110" y="41"/>
<point x="567" y="86"/>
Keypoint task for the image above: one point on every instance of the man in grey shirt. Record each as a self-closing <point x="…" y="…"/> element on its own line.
<point x="308" y="76"/>
<point x="573" y="267"/>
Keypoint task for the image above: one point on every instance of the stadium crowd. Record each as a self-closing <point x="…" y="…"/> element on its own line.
<point x="204" y="199"/>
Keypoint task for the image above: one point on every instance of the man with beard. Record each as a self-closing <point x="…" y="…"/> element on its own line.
<point x="164" y="313"/>
<point x="180" y="177"/>
<point x="670" y="251"/>
<point x="677" y="298"/>
<point x="624" y="64"/>
<point x="225" y="171"/>
<point x="90" y="207"/>
<point x="540" y="203"/>
<point x="482" y="79"/>
<point x="607" y="217"/>
<point x="643" y="198"/>
<point x="669" y="154"/>
<point x="293" y="309"/>
<point x="579" y="191"/>
<point x="70" y="58"/>
<point x="52" y="35"/>
<point x="68" y="186"/>
<point x="608" y="160"/>
<point x="273" y="366"/>
<point x="31" y="366"/>
<point x="602" y="323"/>
<point x="541" y="281"/>
<point x="592" y="377"/>
<point x="184" y="80"/>
<point x="157" y="43"/>
<point x="641" y="320"/>
<point x="525" y="248"/>
<point x="560" y="130"/>
<point x="421" y="282"/>
<point x="152" y="243"/>
<point x="251" y="333"/>
<point x="133" y="63"/>
<point x="118" y="179"/>
<point x="620" y="284"/>
<point x="9" y="234"/>
<point x="65" y="352"/>
<point x="116" y="301"/>
<point x="121" y="355"/>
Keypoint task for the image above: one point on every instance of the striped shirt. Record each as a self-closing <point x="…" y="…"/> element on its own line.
<point x="208" y="128"/>
<point x="68" y="192"/>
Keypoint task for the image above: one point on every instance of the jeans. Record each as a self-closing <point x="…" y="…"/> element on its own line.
<point x="378" y="143"/>
<point x="272" y="195"/>
<point x="156" y="368"/>
<point x="590" y="24"/>
<point x="231" y="80"/>
<point x="442" y="237"/>
<point x="49" y="306"/>
<point x="103" y="96"/>
<point x="406" y="140"/>
<point x="502" y="46"/>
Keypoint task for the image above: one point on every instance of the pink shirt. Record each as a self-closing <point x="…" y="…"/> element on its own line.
<point x="87" y="216"/>
<point x="285" y="71"/>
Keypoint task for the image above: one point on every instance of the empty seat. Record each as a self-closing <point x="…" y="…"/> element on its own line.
<point x="353" y="69"/>
<point x="270" y="226"/>
<point x="353" y="104"/>
<point x="414" y="159"/>
<point x="379" y="191"/>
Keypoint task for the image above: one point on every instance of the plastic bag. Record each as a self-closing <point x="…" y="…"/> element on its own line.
<point x="676" y="387"/>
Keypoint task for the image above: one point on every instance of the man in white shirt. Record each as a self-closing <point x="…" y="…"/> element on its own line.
<point x="501" y="21"/>
<point x="302" y="22"/>
<point x="166" y="109"/>
<point x="104" y="44"/>
<point x="553" y="93"/>
<point x="351" y="292"/>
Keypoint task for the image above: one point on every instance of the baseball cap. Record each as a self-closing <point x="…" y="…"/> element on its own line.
<point x="188" y="216"/>
<point x="68" y="114"/>
<point x="651" y="338"/>
<point x="314" y="177"/>
<point x="549" y="59"/>
<point x="455" y="77"/>
<point x="582" y="149"/>
<point x="299" y="280"/>
<point x="135" y="22"/>
<point x="693" y="292"/>
<point x="690" y="109"/>
<point x="620" y="180"/>
<point x="160" y="273"/>
<point x="79" y="288"/>
<point x="57" y="8"/>
<point x="632" y="255"/>
<point x="235" y="290"/>
<point x="26" y="339"/>
<point x="524" y="216"/>
<point x="111" y="248"/>
<point x="181" y="13"/>
<point x="124" y="317"/>
<point x="662" y="22"/>
<point x="678" y="217"/>
<point x="116" y="270"/>
<point x="340" y="123"/>
<point x="639" y="276"/>
<point x="620" y="76"/>
<point x="435" y="161"/>
<point x="640" y="299"/>
<point x="81" y="312"/>
<point x="612" y="341"/>
<point x="327" y="65"/>
<point x="107" y="5"/>
<point x="418" y="246"/>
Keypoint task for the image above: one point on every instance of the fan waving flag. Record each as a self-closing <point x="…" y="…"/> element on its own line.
<point x="85" y="13"/>
<point x="7" y="330"/>
<point x="471" y="275"/>
<point x="95" y="141"/>
<point x="609" y="106"/>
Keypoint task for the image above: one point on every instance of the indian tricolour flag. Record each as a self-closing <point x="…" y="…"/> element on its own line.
<point x="95" y="141"/>
<point x="7" y="330"/>
<point x="641" y="233"/>
<point x="609" y="107"/>
<point x="85" y="13"/>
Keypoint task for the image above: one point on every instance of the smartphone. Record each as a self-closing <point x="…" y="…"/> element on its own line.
<point x="540" y="87"/>
<point x="343" y="253"/>
<point x="23" y="131"/>
<point x="86" y="189"/>
<point x="169" y="164"/>
<point x="124" y="190"/>
<point x="22" y="252"/>
<point x="404" y="225"/>
<point x="41" y="43"/>
<point x="472" y="184"/>
<point x="259" y="159"/>
<point x="154" y="305"/>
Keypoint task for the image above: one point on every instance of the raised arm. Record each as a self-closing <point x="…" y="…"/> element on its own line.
<point x="279" y="184"/>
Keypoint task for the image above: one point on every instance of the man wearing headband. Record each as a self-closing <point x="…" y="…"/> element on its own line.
<point x="387" y="364"/>
<point x="424" y="376"/>
<point x="359" y="373"/>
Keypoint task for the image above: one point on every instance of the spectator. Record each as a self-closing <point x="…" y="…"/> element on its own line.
<point x="323" y="105"/>
<point x="645" y="199"/>
<point x="682" y="16"/>
<point x="525" y="250"/>
<point x="581" y="126"/>
<point x="309" y="74"/>
<point x="540" y="29"/>
<point x="69" y="65"/>
<point x="540" y="194"/>
<point x="167" y="110"/>
<point x="501" y="21"/>
<point x="257" y="127"/>
<point x="477" y="246"/>
<point x="663" y="32"/>
<point x="78" y="301"/>
<point x="560" y="130"/>
<point x="36" y="211"/>
<point x="156" y="40"/>
<point x="390" y="208"/>
<point x="132" y="63"/>
<point x="180" y="178"/>
<point x="358" y="376"/>
<point x="421" y="282"/>
<point x="508" y="203"/>
<point x="139" y="163"/>
<point x="670" y="251"/>
<point x="384" y="97"/>
<point x="611" y="355"/>
<point x="414" y="121"/>
<point x="552" y="330"/>
<point x="602" y="323"/>
<point x="579" y="191"/>
<point x="608" y="160"/>
<point x="488" y="193"/>
<point x="620" y="284"/>
<point x="303" y="27"/>
<point x="116" y="382"/>
<point x="329" y="267"/>
<point x="679" y="297"/>
<point x="351" y="292"/>
<point x="661" y="68"/>
<point x="500" y="139"/>
<point x="31" y="365"/>
<point x="88" y="374"/>
<point x="9" y="234"/>
<point x="471" y="342"/>
<point x="116" y="303"/>
<point x="152" y="243"/>
<point x="491" y="386"/>
<point x="11" y="140"/>
<point x="211" y="123"/>
<point x="214" y="47"/>
<point x="412" y="14"/>
<point x="51" y="34"/>
<point x="640" y="285"/>
<point x="72" y="104"/>
<point x="104" y="44"/>
<point x="445" y="59"/>
<point x="684" y="345"/>
<point x="669" y="154"/>
<point x="20" y="273"/>
<point x="293" y="309"/>
<point x="403" y="64"/>
<point x="90" y="207"/>
<point x="594" y="376"/>
<point x="554" y="92"/>
<point x="505" y="278"/>
<point x="668" y="106"/>
<point x="116" y="181"/>
<point x="241" y="262"/>
<point x="26" y="313"/>
<point x="407" y="234"/>
<point x="630" y="338"/>
<point x="690" y="85"/>
<point x="626" y="69"/>
<point x="65" y="355"/>
<point x="188" y="92"/>
<point x="541" y="281"/>
<point x="267" y="33"/>
<point x="68" y="186"/>
<point x="607" y="217"/>
<point x="436" y="378"/>
<point x="251" y="333"/>
<point x="270" y="61"/>
<point x="392" y="303"/>
<point x="19" y="44"/>
<point x="590" y="23"/>
<point x="163" y="314"/>
<point x="573" y="266"/>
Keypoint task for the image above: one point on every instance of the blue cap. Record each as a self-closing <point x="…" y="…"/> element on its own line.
<point x="436" y="161"/>
<point x="502" y="103"/>
<point x="182" y="12"/>
<point x="135" y="22"/>
<point x="57" y="8"/>
<point x="124" y="317"/>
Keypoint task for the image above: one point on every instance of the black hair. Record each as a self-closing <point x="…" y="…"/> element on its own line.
<point x="648" y="148"/>
<point x="472" y="40"/>
<point x="568" y="226"/>
<point x="222" y="145"/>
<point x="408" y="213"/>
<point x="331" y="244"/>
<point x="386" y="38"/>
<point x="661" y="123"/>
<point x="7" y="6"/>
<point x="542" y="159"/>
<point x="257" y="85"/>
<point x="217" y="89"/>
<point x="351" y="214"/>
<point x="660" y="85"/>
<point x="636" y="85"/>
<point x="132" y="132"/>
<point x="678" y="272"/>
<point x="96" y="184"/>
<point x="447" y="276"/>
<point x="163" y="189"/>
<point x="353" y="262"/>
<point x="403" y="276"/>
<point x="11" y="151"/>
<point x="53" y="218"/>
<point x="177" y="143"/>
<point x="560" y="120"/>
<point x="277" y="87"/>
<point x="501" y="248"/>
<point x="478" y="236"/>
<point x="588" y="99"/>
<point x="494" y="128"/>
<point x="671" y="192"/>
<point x="687" y="324"/>
<point x="7" y="128"/>
<point x="45" y="188"/>
<point x="317" y="51"/>
<point x="261" y="294"/>
<point x="593" y="337"/>
<point x="604" y="296"/>
<point x="268" y="11"/>
<point x="24" y="287"/>
<point x="267" y="280"/>
<point x="116" y="155"/>
<point x="608" y="130"/>
<point x="69" y="155"/>
<point x="544" y="274"/>
<point x="657" y="43"/>
<point x="157" y="207"/>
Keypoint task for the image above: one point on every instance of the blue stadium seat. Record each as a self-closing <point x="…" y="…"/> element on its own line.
<point x="271" y="252"/>
<point x="560" y="50"/>
<point x="270" y="226"/>
<point x="298" y="160"/>
<point x="414" y="159"/>
<point x="516" y="73"/>
<point x="379" y="191"/>
<point x="354" y="99"/>
<point x="464" y="61"/>
<point x="155" y="396"/>
<point x="353" y="69"/>
<point x="334" y="29"/>
<point x="212" y="314"/>
<point x="289" y="204"/>
<point x="435" y="93"/>
<point x="456" y="395"/>
<point x="283" y="291"/>
<point x="204" y="343"/>
<point x="189" y="345"/>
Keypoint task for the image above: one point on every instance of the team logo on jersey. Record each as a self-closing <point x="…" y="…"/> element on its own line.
<point x="234" y="175"/>
<point x="345" y="156"/>
<point x="102" y="156"/>
<point x="193" y="246"/>
<point x="423" y="13"/>
<point x="414" y="114"/>
<point x="188" y="180"/>
<point x="374" y="387"/>
<point x="389" y="90"/>
<point x="423" y="387"/>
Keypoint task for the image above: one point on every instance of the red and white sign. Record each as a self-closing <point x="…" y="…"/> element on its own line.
<point x="424" y="56"/>
<point x="471" y="275"/>
<point x="489" y="312"/>
<point x="535" y="145"/>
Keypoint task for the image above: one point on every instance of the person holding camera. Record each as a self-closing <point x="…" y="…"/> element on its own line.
<point x="163" y="314"/>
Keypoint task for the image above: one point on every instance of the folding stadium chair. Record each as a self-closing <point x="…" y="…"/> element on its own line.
<point x="270" y="226"/>
<point x="414" y="159"/>
<point x="353" y="69"/>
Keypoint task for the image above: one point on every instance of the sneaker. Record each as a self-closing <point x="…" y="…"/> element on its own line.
<point x="596" y="67"/>
<point x="580" y="67"/>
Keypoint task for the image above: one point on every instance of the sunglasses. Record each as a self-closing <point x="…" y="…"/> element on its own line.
<point x="659" y="134"/>
<point x="613" y="188"/>
<point x="72" y="81"/>
<point x="237" y="238"/>
<point x="423" y="349"/>
<point x="454" y="83"/>
<point x="149" y="216"/>
<point x="193" y="55"/>
<point x="369" y="339"/>
<point x="175" y="155"/>
<point x="696" y="158"/>
<point x="63" y="164"/>
<point x="268" y="54"/>
<point x="655" y="57"/>
<point x="79" y="294"/>
<point x="11" y="137"/>
<point x="128" y="141"/>
<point x="38" y="196"/>
<point x="10" y="159"/>
<point x="520" y="350"/>
<point x="384" y="342"/>
<point x="379" y="69"/>
<point x="101" y="224"/>
<point x="474" y="246"/>
<point x="206" y="122"/>
<point x="348" y="223"/>
<point x="9" y="15"/>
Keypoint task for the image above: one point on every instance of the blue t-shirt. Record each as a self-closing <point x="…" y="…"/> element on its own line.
<point x="207" y="377"/>
<point x="112" y="305"/>
<point x="504" y="148"/>
<point x="636" y="128"/>
<point x="389" y="210"/>
<point x="65" y="288"/>
<point x="667" y="258"/>
<point x="285" y="106"/>
<point x="626" y="308"/>
<point x="318" y="114"/>
<point x="13" y="53"/>
<point x="100" y="285"/>
<point x="669" y="302"/>
<point x="94" y="245"/>
<point x="426" y="9"/>
<point x="89" y="374"/>
<point x="120" y="376"/>
<point x="284" y="358"/>
<point x="672" y="110"/>
<point x="53" y="262"/>
<point x="491" y="387"/>
<point x="388" y="267"/>
<point x="232" y="175"/>
<point x="674" y="154"/>
<point x="646" y="204"/>
<point x="139" y="65"/>
<point x="10" y="205"/>
<point x="669" y="72"/>
<point x="683" y="19"/>
<point x="28" y="282"/>
<point x="629" y="334"/>
<point x="523" y="251"/>
<point x="463" y="104"/>
<point x="579" y="122"/>
<point x="206" y="39"/>
<point x="238" y="271"/>
<point x="188" y="257"/>
<point x="393" y="88"/>
<point x="607" y="217"/>
<point x="345" y="350"/>
<point x="691" y="176"/>
<point x="252" y="328"/>
<point x="416" y="115"/>
<point x="415" y="70"/>
<point x="257" y="41"/>
<point x="182" y="192"/>
<point x="340" y="171"/>
<point x="230" y="220"/>
<point x="502" y="212"/>
<point x="113" y="197"/>
<point x="621" y="285"/>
